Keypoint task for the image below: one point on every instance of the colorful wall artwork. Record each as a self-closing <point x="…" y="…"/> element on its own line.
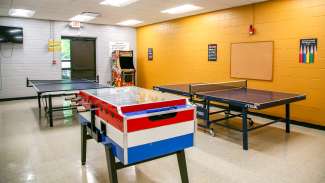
<point x="308" y="51"/>
<point x="212" y="52"/>
<point x="150" y="53"/>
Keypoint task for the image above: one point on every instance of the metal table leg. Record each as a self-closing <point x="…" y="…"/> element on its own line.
<point x="39" y="102"/>
<point x="206" y="113"/>
<point x="245" y="130"/>
<point x="111" y="165"/>
<point x="45" y="108"/>
<point x="287" y="118"/>
<point x="83" y="143"/>
<point x="182" y="166"/>
<point x="50" y="111"/>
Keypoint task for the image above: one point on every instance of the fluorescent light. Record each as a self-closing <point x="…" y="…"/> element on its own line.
<point x="81" y="18"/>
<point x="84" y="17"/>
<point x="129" y="22"/>
<point x="21" y="13"/>
<point x="118" y="3"/>
<point x="182" y="9"/>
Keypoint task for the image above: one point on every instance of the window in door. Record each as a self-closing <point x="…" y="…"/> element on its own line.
<point x="66" y="58"/>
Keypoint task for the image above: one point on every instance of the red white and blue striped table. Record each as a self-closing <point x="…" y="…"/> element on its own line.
<point x="137" y="125"/>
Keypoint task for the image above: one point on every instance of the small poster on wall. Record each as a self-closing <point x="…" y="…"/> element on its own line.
<point x="54" y="45"/>
<point x="212" y="52"/>
<point x="118" y="45"/>
<point x="308" y="51"/>
<point x="150" y="54"/>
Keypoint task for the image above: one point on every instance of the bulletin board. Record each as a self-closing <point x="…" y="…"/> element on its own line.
<point x="252" y="60"/>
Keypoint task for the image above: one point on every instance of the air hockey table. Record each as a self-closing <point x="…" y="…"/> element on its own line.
<point x="136" y="125"/>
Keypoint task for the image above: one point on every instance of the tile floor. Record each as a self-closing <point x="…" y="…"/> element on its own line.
<point x="30" y="151"/>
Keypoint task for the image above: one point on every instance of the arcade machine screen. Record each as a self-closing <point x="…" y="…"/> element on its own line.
<point x="126" y="63"/>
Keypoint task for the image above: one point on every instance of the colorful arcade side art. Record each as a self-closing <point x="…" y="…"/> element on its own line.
<point x="123" y="71"/>
<point x="308" y="51"/>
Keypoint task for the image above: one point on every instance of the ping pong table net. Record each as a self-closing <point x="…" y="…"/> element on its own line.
<point x="207" y="87"/>
<point x="49" y="82"/>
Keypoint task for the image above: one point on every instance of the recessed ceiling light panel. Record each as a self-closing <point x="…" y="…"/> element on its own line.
<point x="21" y="13"/>
<point x="118" y="3"/>
<point x="84" y="17"/>
<point x="182" y="9"/>
<point x="81" y="18"/>
<point x="130" y="22"/>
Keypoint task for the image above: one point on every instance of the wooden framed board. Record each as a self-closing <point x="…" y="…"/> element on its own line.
<point x="252" y="60"/>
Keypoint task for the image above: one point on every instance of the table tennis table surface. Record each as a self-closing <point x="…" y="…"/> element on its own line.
<point x="43" y="86"/>
<point x="240" y="96"/>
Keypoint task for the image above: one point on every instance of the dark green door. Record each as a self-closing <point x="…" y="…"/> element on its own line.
<point x="83" y="58"/>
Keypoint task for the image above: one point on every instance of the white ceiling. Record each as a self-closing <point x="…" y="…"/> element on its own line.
<point x="147" y="11"/>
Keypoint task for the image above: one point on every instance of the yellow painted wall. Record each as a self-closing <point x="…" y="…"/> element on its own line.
<point x="180" y="50"/>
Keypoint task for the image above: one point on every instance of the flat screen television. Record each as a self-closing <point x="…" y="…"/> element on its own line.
<point x="11" y="34"/>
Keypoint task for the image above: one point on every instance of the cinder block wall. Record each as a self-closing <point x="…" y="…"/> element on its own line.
<point x="32" y="59"/>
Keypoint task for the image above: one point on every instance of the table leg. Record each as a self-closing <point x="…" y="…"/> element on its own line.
<point x="39" y="102"/>
<point x="245" y="130"/>
<point x="206" y="113"/>
<point x="45" y="108"/>
<point x="50" y="111"/>
<point x="182" y="166"/>
<point x="191" y="98"/>
<point x="110" y="159"/>
<point x="227" y="112"/>
<point x="83" y="143"/>
<point x="287" y="118"/>
<point x="92" y="119"/>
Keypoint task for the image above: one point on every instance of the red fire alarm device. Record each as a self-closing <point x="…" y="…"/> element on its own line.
<point x="252" y="30"/>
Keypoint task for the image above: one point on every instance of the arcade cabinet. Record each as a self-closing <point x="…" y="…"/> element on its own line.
<point x="123" y="71"/>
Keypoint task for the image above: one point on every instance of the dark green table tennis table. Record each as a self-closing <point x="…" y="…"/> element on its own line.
<point x="236" y="95"/>
<point x="48" y="89"/>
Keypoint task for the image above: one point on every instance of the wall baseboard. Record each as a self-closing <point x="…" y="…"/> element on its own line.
<point x="298" y="123"/>
<point x="17" y="98"/>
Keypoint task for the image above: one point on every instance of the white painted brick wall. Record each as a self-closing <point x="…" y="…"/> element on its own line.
<point x="32" y="59"/>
